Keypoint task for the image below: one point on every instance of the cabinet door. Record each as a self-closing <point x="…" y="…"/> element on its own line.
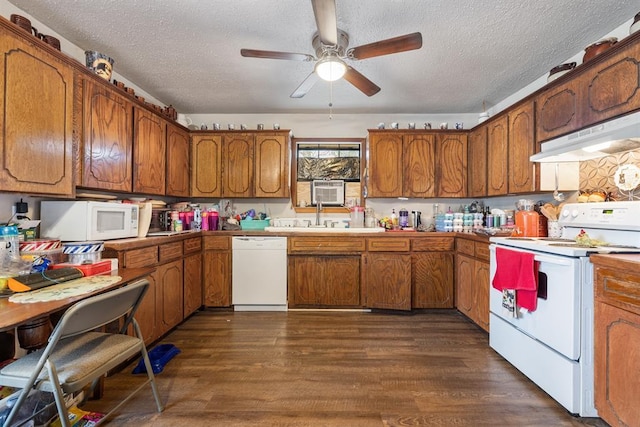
<point x="388" y="281"/>
<point x="36" y="119"/>
<point x="451" y="177"/>
<point x="477" y="164"/>
<point x="432" y="280"/>
<point x="419" y="159"/>
<point x="324" y="281"/>
<point x="169" y="296"/>
<point x="192" y="283"/>
<point x="385" y="164"/>
<point x="206" y="166"/>
<point x="177" y="162"/>
<point x="146" y="313"/>
<point x="522" y="145"/>
<point x="272" y="165"/>
<point x="149" y="153"/>
<point x="612" y="87"/>
<point x="107" y="138"/>
<point x="497" y="146"/>
<point x="217" y="279"/>
<point x="481" y="294"/>
<point x="558" y="110"/>
<point x="464" y="285"/>
<point x="237" y="157"/>
<point x="617" y="362"/>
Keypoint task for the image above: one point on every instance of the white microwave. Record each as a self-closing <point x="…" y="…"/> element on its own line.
<point x="328" y="192"/>
<point x="86" y="220"/>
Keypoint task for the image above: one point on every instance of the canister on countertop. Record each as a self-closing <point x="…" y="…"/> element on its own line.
<point x="357" y="217"/>
<point x="403" y="221"/>
<point x="9" y="243"/>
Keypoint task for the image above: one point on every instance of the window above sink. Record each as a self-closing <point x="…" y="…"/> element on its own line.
<point x="326" y="159"/>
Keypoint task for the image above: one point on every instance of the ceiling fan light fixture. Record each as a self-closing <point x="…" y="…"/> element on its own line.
<point x="330" y="68"/>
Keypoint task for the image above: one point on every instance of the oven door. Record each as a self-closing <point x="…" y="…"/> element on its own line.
<point x="556" y="321"/>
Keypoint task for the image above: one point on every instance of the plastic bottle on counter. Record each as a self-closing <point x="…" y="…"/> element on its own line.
<point x="357" y="217"/>
<point x="9" y="243"/>
<point x="394" y="217"/>
<point x="205" y="220"/>
<point x="213" y="220"/>
<point x="403" y="221"/>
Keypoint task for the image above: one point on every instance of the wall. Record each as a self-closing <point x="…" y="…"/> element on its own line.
<point x="314" y="125"/>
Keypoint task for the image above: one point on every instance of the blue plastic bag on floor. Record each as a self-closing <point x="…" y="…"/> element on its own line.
<point x="159" y="356"/>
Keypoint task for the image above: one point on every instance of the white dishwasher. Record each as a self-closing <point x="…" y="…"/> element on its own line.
<point x="259" y="273"/>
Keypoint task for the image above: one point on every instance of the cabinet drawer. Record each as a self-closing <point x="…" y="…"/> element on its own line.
<point x="325" y="245"/>
<point x="432" y="244"/>
<point x="222" y="243"/>
<point x="464" y="246"/>
<point x="619" y="288"/>
<point x="482" y="251"/>
<point x="192" y="245"/>
<point x="388" y="245"/>
<point x="170" y="251"/>
<point x="143" y="257"/>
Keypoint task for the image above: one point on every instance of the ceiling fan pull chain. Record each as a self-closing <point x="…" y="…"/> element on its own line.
<point x="330" y="100"/>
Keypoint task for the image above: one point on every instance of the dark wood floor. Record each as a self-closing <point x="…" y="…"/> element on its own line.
<point x="336" y="369"/>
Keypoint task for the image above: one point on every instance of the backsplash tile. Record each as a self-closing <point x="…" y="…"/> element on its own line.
<point x="598" y="174"/>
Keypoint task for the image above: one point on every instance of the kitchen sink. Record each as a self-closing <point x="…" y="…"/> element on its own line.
<point x="322" y="229"/>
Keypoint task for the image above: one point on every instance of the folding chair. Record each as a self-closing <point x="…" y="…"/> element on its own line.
<point x="76" y="356"/>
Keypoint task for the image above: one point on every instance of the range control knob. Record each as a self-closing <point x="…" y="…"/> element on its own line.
<point x="565" y="213"/>
<point x="574" y="213"/>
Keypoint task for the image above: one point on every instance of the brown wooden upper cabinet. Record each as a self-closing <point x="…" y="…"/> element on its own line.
<point x="497" y="152"/>
<point x="522" y="145"/>
<point x="510" y="143"/>
<point x="604" y="88"/>
<point x="477" y="162"/>
<point x="240" y="164"/>
<point x="385" y="164"/>
<point x="206" y="165"/>
<point x="149" y="152"/>
<point x="451" y="164"/>
<point x="107" y="138"/>
<point x="36" y="118"/>
<point x="403" y="164"/>
<point x="177" y="161"/>
<point x="271" y="165"/>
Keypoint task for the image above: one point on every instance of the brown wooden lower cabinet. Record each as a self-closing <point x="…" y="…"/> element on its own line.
<point x="388" y="280"/>
<point x="324" y="281"/>
<point x="175" y="285"/>
<point x="432" y="280"/>
<point x="617" y="340"/>
<point x="169" y="302"/>
<point x="216" y="275"/>
<point x="472" y="281"/>
<point x="192" y="284"/>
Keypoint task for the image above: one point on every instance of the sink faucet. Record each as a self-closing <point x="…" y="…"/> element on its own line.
<point x="318" y="210"/>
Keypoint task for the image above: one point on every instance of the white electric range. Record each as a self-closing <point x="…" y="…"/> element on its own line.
<point x="553" y="345"/>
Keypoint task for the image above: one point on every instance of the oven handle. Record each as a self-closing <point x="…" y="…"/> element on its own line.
<point x="552" y="260"/>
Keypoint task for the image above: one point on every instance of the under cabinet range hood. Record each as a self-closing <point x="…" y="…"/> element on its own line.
<point x="614" y="136"/>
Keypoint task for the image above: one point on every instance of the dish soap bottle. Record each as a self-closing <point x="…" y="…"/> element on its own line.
<point x="394" y="218"/>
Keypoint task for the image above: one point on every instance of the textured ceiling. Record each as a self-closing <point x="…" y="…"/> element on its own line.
<point x="187" y="52"/>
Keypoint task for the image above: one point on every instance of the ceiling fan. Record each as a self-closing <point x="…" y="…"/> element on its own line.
<point x="331" y="47"/>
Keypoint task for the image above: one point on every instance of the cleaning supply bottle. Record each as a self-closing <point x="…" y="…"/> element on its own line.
<point x="394" y="218"/>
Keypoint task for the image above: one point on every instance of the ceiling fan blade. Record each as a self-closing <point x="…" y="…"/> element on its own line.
<point x="305" y="86"/>
<point x="269" y="54"/>
<point x="325" y="13"/>
<point x="362" y="83"/>
<point x="385" y="47"/>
